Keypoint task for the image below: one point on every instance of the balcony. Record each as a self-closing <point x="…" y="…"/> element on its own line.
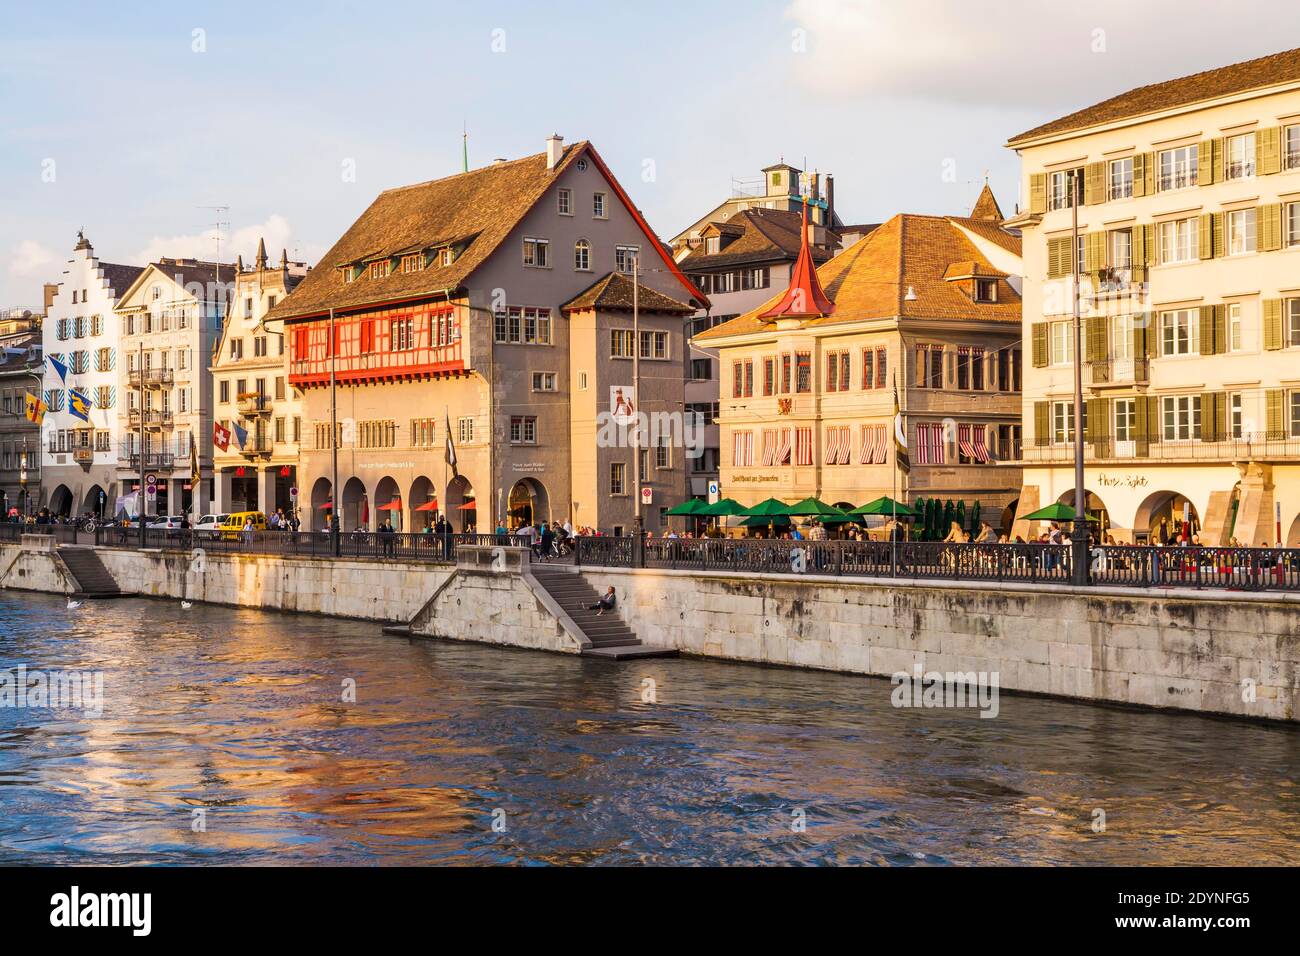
<point x="257" y="447"/>
<point x="150" y="377"/>
<point x="253" y="405"/>
<point x="153" y="418"/>
<point x="84" y="456"/>
<point x="153" y="461"/>
<point x="1251" y="446"/>
<point x="1117" y="373"/>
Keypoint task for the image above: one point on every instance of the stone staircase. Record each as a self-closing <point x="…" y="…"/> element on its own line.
<point x="609" y="635"/>
<point x="93" y="579"/>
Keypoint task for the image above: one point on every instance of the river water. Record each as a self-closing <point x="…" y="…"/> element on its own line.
<point x="226" y="738"/>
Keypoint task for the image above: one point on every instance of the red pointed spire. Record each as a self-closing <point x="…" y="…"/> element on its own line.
<point x="805" y="296"/>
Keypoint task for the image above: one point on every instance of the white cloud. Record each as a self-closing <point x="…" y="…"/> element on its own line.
<point x="1023" y="53"/>
<point x="30" y="258"/>
<point x="242" y="242"/>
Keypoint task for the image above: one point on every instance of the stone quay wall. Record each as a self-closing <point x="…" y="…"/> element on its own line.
<point x="1202" y="651"/>
<point x="369" y="590"/>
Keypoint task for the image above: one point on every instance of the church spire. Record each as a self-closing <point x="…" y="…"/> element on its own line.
<point x="804" y="298"/>
<point x="261" y="254"/>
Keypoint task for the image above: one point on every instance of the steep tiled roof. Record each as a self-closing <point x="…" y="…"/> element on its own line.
<point x="870" y="279"/>
<point x="120" y="277"/>
<point x="765" y="235"/>
<point x="986" y="206"/>
<point x="481" y="206"/>
<point x="1265" y="71"/>
<point x="614" y="291"/>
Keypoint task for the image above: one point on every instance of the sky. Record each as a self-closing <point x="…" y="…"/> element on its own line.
<point x="131" y="119"/>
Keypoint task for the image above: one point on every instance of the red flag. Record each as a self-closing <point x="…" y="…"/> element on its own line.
<point x="220" y="436"/>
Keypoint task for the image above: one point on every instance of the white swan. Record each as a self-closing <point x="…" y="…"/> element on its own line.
<point x="187" y="604"/>
<point x="73" y="605"/>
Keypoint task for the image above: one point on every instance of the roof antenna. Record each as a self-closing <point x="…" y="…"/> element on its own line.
<point x="464" y="147"/>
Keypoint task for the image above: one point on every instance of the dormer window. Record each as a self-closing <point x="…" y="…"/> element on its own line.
<point x="349" y="273"/>
<point x="412" y="263"/>
<point x="380" y="269"/>
<point x="447" y="256"/>
<point x="713" y="244"/>
<point x="986" y="290"/>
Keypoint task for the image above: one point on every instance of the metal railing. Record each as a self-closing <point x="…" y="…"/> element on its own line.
<point x="150" y="376"/>
<point x="1249" y="569"/>
<point x="1249" y="446"/>
<point x="372" y="545"/>
<point x="14" y="530"/>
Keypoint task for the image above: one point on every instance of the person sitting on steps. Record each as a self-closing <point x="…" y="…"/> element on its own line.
<point x="606" y="603"/>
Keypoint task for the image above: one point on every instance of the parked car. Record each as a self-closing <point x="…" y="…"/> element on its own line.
<point x="234" y="524"/>
<point x="209" y="526"/>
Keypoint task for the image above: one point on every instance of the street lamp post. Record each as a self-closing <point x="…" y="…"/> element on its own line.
<point x="1079" y="536"/>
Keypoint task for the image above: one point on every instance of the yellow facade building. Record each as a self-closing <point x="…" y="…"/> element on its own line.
<point x="1188" y="209"/>
<point x="926" y="308"/>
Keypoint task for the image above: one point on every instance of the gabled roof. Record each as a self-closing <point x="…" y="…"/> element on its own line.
<point x="480" y="207"/>
<point x="183" y="272"/>
<point x="870" y="279"/>
<point x="1266" y="71"/>
<point x="613" y="292"/>
<point x="765" y="235"/>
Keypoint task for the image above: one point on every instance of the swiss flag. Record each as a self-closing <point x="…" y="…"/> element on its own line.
<point x="220" y="436"/>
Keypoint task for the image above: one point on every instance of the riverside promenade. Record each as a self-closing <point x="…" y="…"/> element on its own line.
<point x="1186" y="629"/>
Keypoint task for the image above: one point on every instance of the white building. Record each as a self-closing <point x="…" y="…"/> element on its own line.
<point x="79" y="457"/>
<point x="170" y="321"/>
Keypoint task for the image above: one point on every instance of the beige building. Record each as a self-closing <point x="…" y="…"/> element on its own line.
<point x="927" y="304"/>
<point x="1188" y="201"/>
<point x="251" y="394"/>
<point x="481" y="323"/>
<point x="171" y="317"/>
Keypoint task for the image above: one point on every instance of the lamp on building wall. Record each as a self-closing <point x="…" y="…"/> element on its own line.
<point x="911" y="295"/>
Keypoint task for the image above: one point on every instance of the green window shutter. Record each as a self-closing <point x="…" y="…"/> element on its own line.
<point x="1090" y="430"/>
<point x="1220" y="236"/>
<point x="1220" y="156"/>
<point x="1220" y="329"/>
<point x="1205" y="163"/>
<point x="1142" y="420"/>
<point x="1097" y="338"/>
<point x="1268" y="151"/>
<point x="1144" y="174"/>
<point x="1139" y="247"/>
<point x="1039" y="333"/>
<point x="1220" y="416"/>
<point x="1094" y="184"/>
<point x="1207" y="330"/>
<point x="1094" y="252"/>
<point x="1274" y="403"/>
<point x="1208" y="424"/>
<point x="1038" y="192"/>
<point x="1269" y="220"/>
<point x="1042" y="423"/>
<point x="1059" y="260"/>
<point x="1272" y="324"/>
<point x="1205" y="236"/>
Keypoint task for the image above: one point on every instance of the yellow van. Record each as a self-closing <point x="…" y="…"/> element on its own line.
<point x="235" y="521"/>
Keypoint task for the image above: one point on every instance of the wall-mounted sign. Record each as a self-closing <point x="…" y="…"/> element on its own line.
<point x="1122" y="481"/>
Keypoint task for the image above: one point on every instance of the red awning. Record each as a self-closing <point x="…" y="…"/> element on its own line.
<point x="428" y="506"/>
<point x="394" y="505"/>
<point x="467" y="506"/>
<point x="328" y="504"/>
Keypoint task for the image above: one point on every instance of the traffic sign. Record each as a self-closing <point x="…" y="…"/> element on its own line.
<point x="714" y="492"/>
<point x="151" y="479"/>
<point x="293" y="492"/>
<point x="647" y="495"/>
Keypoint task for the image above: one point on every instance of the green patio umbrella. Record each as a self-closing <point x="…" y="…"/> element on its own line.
<point x="764" y="521"/>
<point x="722" y="509"/>
<point x="1056" y="512"/>
<point x="843" y="519"/>
<point x="771" y="508"/>
<point x="692" y="507"/>
<point x="886" y="507"/>
<point x="815" y="506"/>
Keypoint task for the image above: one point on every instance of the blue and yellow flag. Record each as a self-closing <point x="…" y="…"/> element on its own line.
<point x="35" y="408"/>
<point x="79" y="404"/>
<point x="59" y="367"/>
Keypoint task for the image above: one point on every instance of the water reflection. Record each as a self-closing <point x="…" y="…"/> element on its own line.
<point x="241" y="714"/>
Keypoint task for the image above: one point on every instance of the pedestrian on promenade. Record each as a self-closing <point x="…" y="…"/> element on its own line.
<point x="248" y="532"/>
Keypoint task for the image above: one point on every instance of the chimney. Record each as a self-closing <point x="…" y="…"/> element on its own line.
<point x="554" y="150"/>
<point x="830" y="201"/>
<point x="51" y="290"/>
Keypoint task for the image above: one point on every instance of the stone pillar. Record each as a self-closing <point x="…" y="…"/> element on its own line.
<point x="1255" y="523"/>
<point x="222" y="490"/>
<point x="1214" y="529"/>
<point x="1028" y="504"/>
<point x="266" y="491"/>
